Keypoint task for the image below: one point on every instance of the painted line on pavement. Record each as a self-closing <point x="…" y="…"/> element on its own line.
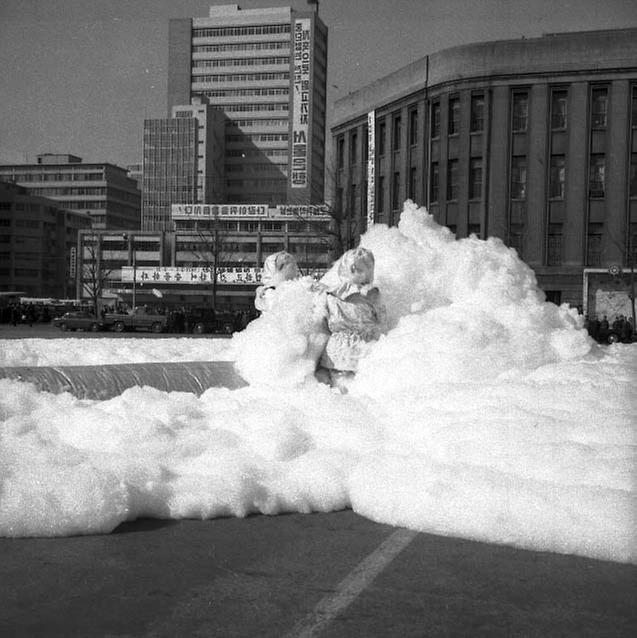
<point x="352" y="585"/>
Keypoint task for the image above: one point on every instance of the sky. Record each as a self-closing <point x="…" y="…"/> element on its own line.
<point x="80" y="76"/>
<point x="482" y="412"/>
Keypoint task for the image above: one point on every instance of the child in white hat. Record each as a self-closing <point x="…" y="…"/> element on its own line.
<point x="355" y="315"/>
<point x="277" y="268"/>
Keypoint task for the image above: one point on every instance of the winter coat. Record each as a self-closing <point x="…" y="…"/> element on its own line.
<point x="354" y="316"/>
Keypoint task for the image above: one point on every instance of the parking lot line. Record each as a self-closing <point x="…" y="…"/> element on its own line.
<point x="352" y="585"/>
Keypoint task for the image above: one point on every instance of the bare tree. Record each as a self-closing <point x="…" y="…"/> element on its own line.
<point x="94" y="275"/>
<point x="210" y="252"/>
<point x="345" y="226"/>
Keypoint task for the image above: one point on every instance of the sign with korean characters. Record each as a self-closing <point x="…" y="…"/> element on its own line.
<point x="187" y="275"/>
<point x="301" y="101"/>
<point x="246" y="211"/>
<point x="371" y="166"/>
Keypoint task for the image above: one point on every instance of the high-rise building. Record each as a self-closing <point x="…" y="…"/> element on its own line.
<point x="265" y="69"/>
<point x="104" y="191"/>
<point x="183" y="161"/>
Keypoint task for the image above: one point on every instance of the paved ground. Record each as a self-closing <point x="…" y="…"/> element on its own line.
<point x="335" y="575"/>
<point x="302" y="575"/>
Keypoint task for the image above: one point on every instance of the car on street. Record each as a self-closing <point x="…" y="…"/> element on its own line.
<point x="78" y="320"/>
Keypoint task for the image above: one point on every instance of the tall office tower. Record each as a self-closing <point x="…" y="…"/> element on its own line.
<point x="183" y="161"/>
<point x="266" y="70"/>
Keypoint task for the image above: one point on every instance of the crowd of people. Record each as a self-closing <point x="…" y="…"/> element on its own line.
<point x="621" y="329"/>
<point x="25" y="313"/>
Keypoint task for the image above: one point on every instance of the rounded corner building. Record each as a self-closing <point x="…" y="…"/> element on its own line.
<point x="533" y="141"/>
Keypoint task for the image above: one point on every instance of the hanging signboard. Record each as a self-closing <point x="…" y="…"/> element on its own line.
<point x="371" y="166"/>
<point x="301" y="101"/>
<point x="191" y="275"/>
<point x="246" y="211"/>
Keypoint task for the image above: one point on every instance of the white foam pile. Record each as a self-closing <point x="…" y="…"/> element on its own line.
<point x="483" y="413"/>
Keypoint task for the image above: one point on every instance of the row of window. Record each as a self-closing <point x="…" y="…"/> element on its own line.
<point x="210" y="64"/>
<point x="596" y="183"/>
<point x="263" y="137"/>
<point x="245" y="92"/>
<point x="251" y="108"/>
<point x="222" y="32"/>
<point x="11" y="176"/>
<point x="555" y="241"/>
<point x="257" y="168"/>
<point x="241" y="77"/>
<point x="258" y="183"/>
<point x="254" y="226"/>
<point x="519" y="120"/>
<point x="240" y="46"/>
<point x="269" y="123"/>
<point x="70" y="190"/>
<point x="249" y="152"/>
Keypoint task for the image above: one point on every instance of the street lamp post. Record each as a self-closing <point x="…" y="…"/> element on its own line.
<point x="131" y="247"/>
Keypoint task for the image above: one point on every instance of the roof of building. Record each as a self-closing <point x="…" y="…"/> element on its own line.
<point x="576" y="52"/>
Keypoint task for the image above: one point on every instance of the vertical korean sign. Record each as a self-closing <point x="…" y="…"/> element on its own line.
<point x="301" y="99"/>
<point x="371" y="166"/>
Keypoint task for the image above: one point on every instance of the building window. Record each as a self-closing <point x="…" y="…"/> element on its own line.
<point x="516" y="232"/>
<point x="599" y="108"/>
<point x="520" y="112"/>
<point x="352" y="199"/>
<point x="435" y="119"/>
<point x="434" y="183"/>
<point x="381" y="138"/>
<point x="477" y="113"/>
<point x="556" y="186"/>
<point x="474" y="229"/>
<point x="597" y="176"/>
<point x="594" y="244"/>
<point x="633" y="109"/>
<point x="518" y="177"/>
<point x="381" y="194"/>
<point x="396" y="132"/>
<point x="340" y="152"/>
<point x="396" y="191"/>
<point x="633" y="175"/>
<point x="454" y="116"/>
<point x="453" y="185"/>
<point x="554" y="245"/>
<point x="559" y="103"/>
<point x="339" y="200"/>
<point x="475" y="178"/>
<point x="632" y="247"/>
<point x="366" y="144"/>
<point x="353" y="146"/>
<point x="413" y="183"/>
<point x="413" y="127"/>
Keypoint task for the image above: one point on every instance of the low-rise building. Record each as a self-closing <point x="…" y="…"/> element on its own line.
<point x="533" y="141"/>
<point x="211" y="258"/>
<point x="103" y="191"/>
<point x="38" y="240"/>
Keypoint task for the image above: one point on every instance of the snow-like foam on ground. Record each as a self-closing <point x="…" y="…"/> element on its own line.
<point x="72" y="351"/>
<point x="483" y="413"/>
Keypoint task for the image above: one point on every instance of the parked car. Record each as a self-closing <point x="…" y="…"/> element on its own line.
<point x="78" y="320"/>
<point x="203" y="320"/>
<point x="139" y="319"/>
